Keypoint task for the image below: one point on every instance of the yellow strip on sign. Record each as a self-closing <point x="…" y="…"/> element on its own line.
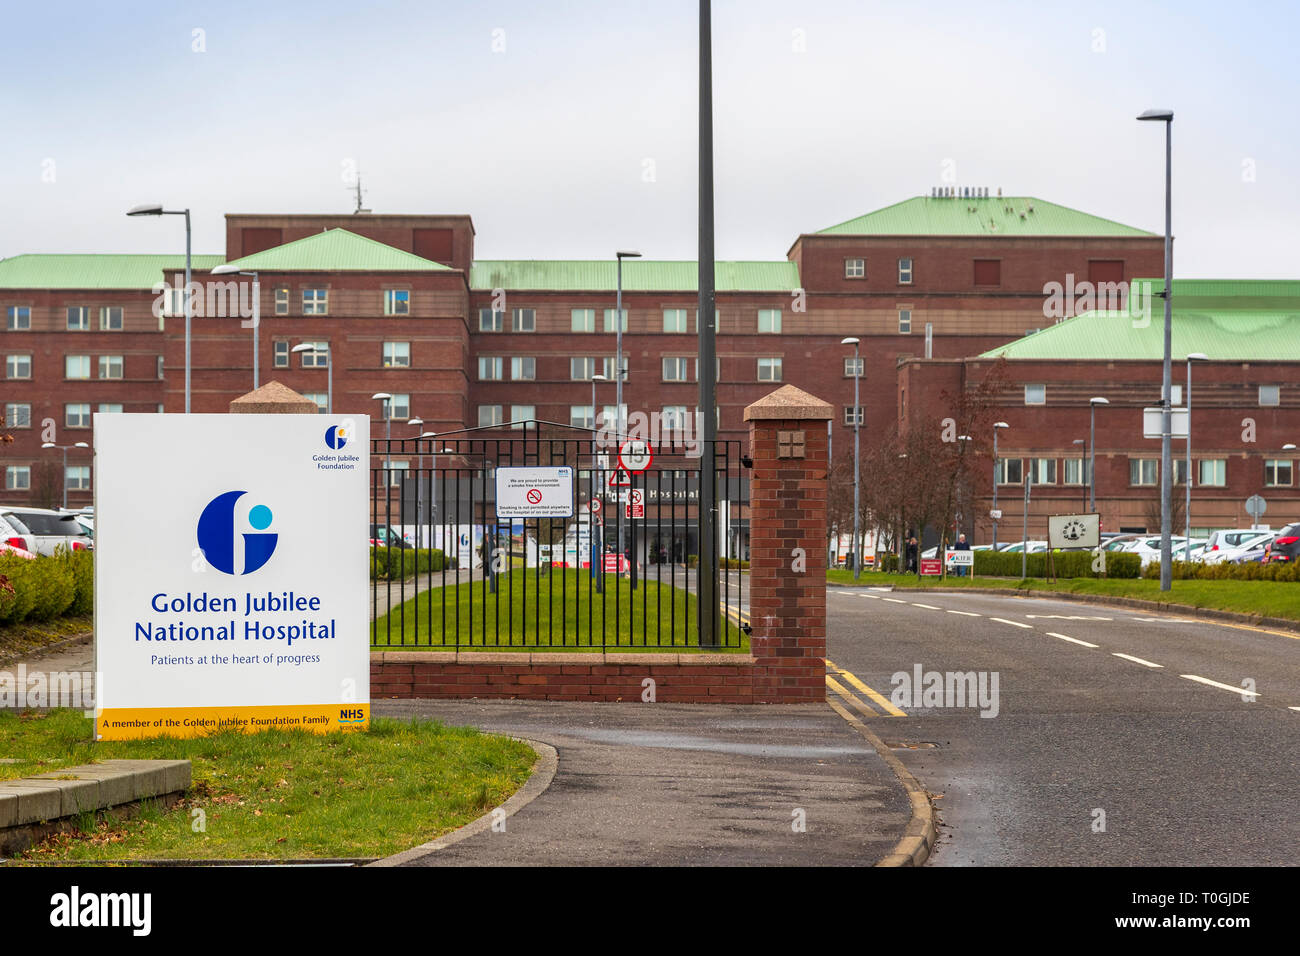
<point x="131" y="723"/>
<point x="882" y="701"/>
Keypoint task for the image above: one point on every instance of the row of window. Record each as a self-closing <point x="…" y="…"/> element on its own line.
<point x="18" y="318"/>
<point x="523" y="368"/>
<point x="19" y="477"/>
<point x="856" y="268"/>
<point x="1210" y="472"/>
<point x="1269" y="395"/>
<point x="672" y="418"/>
<point x="584" y="320"/>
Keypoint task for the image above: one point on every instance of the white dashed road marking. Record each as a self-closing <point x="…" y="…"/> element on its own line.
<point x="1214" y="683"/>
<point x="929" y="606"/>
<point x="1137" y="660"/>
<point x="1067" y="617"/>
<point x="894" y="601"/>
<point x="963" y="613"/>
<point x="1072" y="640"/>
<point x="1003" y="620"/>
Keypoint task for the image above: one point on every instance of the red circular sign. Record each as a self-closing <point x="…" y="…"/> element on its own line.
<point x="534" y="496"/>
<point x="595" y="506"/>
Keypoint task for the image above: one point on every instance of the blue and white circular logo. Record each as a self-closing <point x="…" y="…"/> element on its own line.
<point x="336" y="436"/>
<point x="218" y="536"/>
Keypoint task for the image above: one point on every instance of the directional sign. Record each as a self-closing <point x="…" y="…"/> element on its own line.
<point x="636" y="455"/>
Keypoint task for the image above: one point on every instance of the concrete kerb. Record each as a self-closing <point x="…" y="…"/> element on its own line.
<point x="918" y="837"/>
<point x="540" y="778"/>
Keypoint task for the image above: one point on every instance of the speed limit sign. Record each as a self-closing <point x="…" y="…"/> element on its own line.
<point x="636" y="455"/>
<point x="595" y="506"/>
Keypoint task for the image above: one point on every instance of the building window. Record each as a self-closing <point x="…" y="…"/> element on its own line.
<point x="1010" y="471"/>
<point x="76" y="366"/>
<point x="607" y="416"/>
<point x="110" y="318"/>
<point x="18" y="477"/>
<point x="489" y="415"/>
<point x="78" y="477"/>
<point x="281" y="350"/>
<point x="110" y="366"/>
<point x="1073" y="471"/>
<point x="490" y="320"/>
<point x="18" y="366"/>
<point x="109" y="408"/>
<point x="1143" y="471"/>
<point x="582" y="416"/>
<point x="78" y="318"/>
<point x="315" y="301"/>
<point x="609" y="320"/>
<point x="523" y="368"/>
<point x="76" y="415"/>
<point x="1270" y="395"/>
<point x="988" y="272"/>
<point x="320" y="398"/>
<point x="676" y="369"/>
<point x="675" y="320"/>
<point x="397" y="355"/>
<point x="1043" y="470"/>
<point x="1212" y="472"/>
<point x="524" y="320"/>
<point x="855" y="268"/>
<point x="673" y="418"/>
<point x="19" y="318"/>
<point x="769" y="320"/>
<point x="18" y="415"/>
<point x="769" y="370"/>
<point x="582" y="368"/>
<point x="853" y="367"/>
<point x="490" y="368"/>
<point x="904" y="271"/>
<point x="904" y="321"/>
<point x="282" y="301"/>
<point x="397" y="470"/>
<point x="1035" y="394"/>
<point x="1180" y="471"/>
<point x="1277" y="473"/>
<point x="173" y="304"/>
<point x="397" y="302"/>
<point x="853" y="415"/>
<point x="317" y="356"/>
<point x="399" y="406"/>
<point x="522" y="413"/>
<point x="582" y="320"/>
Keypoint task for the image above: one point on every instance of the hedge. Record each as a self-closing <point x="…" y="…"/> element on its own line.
<point x="1248" y="571"/>
<point x="47" y="587"/>
<point x="396" y="563"/>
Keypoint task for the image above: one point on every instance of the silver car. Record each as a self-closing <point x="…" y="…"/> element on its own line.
<point x="41" y="531"/>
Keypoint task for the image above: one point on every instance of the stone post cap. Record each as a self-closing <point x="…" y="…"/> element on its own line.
<point x="273" y="399"/>
<point x="789" y="403"/>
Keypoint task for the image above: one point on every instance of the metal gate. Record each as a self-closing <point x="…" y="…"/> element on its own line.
<point x="619" y="572"/>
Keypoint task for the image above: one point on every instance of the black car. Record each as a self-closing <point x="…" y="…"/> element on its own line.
<point x="1286" y="546"/>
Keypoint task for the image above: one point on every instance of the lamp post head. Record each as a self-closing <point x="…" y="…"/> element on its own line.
<point x="1289" y="446"/>
<point x="148" y="209"/>
<point x="1099" y="401"/>
<point x="81" y="444"/>
<point x="1080" y="441"/>
<point x="381" y="396"/>
<point x="311" y="347"/>
<point x="997" y="425"/>
<point x="1198" y="357"/>
<point x="415" y="421"/>
<point x="628" y="255"/>
<point x="427" y="435"/>
<point x="849" y="341"/>
<point x="49" y="444"/>
<point x="1161" y="115"/>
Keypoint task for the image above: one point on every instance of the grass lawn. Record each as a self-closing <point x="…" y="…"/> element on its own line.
<point x="1270" y="598"/>
<point x="281" y="794"/>
<point x="567" y="615"/>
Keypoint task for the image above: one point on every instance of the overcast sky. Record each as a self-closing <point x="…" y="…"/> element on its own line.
<point x="568" y="130"/>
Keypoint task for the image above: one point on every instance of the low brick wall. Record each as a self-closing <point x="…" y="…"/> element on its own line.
<point x="678" y="678"/>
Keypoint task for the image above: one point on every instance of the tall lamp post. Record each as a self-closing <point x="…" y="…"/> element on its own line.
<point x="228" y="270"/>
<point x="1083" y="463"/>
<point x="1187" y="472"/>
<point x="50" y="444"/>
<point x="618" y="343"/>
<point x="857" y="416"/>
<point x="329" y="369"/>
<point x="996" y="427"/>
<point x="1092" y="450"/>
<point x="155" y="209"/>
<point x="1166" y="414"/>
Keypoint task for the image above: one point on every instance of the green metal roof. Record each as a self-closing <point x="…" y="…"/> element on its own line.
<point x="640" y="275"/>
<point x="336" y="250"/>
<point x="1010" y="216"/>
<point x="1228" y="320"/>
<point x="59" y="271"/>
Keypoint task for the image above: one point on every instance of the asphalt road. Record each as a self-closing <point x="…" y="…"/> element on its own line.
<point x="1185" y="771"/>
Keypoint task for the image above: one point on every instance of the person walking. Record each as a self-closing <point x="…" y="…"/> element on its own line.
<point x="961" y="545"/>
<point x="910" y="555"/>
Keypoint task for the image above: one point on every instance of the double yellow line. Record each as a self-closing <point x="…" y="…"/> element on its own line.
<point x="853" y="699"/>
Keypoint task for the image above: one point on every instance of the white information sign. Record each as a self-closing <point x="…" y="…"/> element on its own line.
<point x="231" y="573"/>
<point x="959" y="559"/>
<point x="534" y="492"/>
<point x="1074" y="531"/>
<point x="1153" y="419"/>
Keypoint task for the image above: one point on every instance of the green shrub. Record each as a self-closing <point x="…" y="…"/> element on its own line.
<point x="1250" y="571"/>
<point x="886" y="561"/>
<point x="1066" y="564"/>
<point x="392" y="564"/>
<point x="82" y="566"/>
<point x="43" y="588"/>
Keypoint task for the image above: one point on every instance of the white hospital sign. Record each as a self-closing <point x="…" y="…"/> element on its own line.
<point x="534" y="492"/>
<point x="231" y="573"/>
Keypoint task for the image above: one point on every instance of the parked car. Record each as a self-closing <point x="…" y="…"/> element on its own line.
<point x="1286" y="546"/>
<point x="1229" y="553"/>
<point x="1255" y="555"/>
<point x="385" y="536"/>
<point x="41" y="531"/>
<point x="1232" y="538"/>
<point x="1035" y="547"/>
<point x="8" y="550"/>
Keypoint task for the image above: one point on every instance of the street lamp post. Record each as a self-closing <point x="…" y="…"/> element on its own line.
<point x="857" y="414"/>
<point x="1166" y="415"/>
<point x="227" y="270"/>
<point x="386" y="398"/>
<point x="154" y="209"/>
<point x="996" y="427"/>
<point x="1092" y="450"/>
<point x="50" y="444"/>
<point x="618" y="378"/>
<point x="329" y="369"/>
<point x="1083" y="463"/>
<point x="1187" y="474"/>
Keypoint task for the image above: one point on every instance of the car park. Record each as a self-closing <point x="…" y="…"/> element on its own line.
<point x="42" y="531"/>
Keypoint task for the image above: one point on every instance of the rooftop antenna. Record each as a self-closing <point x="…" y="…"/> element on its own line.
<point x="358" y="190"/>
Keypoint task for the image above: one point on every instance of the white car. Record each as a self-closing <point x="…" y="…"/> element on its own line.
<point x="1148" y="548"/>
<point x="42" y="531"/>
<point x="1230" y="552"/>
<point x="1035" y="547"/>
<point x="1232" y="539"/>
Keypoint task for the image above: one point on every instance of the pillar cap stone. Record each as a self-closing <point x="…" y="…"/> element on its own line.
<point x="273" y="399"/>
<point x="789" y="403"/>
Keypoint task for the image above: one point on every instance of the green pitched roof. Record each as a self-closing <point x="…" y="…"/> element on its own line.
<point x="59" y="271"/>
<point x="995" y="216"/>
<point x="1237" y="321"/>
<point x="641" y="275"/>
<point x="336" y="250"/>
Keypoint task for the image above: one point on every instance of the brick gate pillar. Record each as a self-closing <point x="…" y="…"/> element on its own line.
<point x="787" y="545"/>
